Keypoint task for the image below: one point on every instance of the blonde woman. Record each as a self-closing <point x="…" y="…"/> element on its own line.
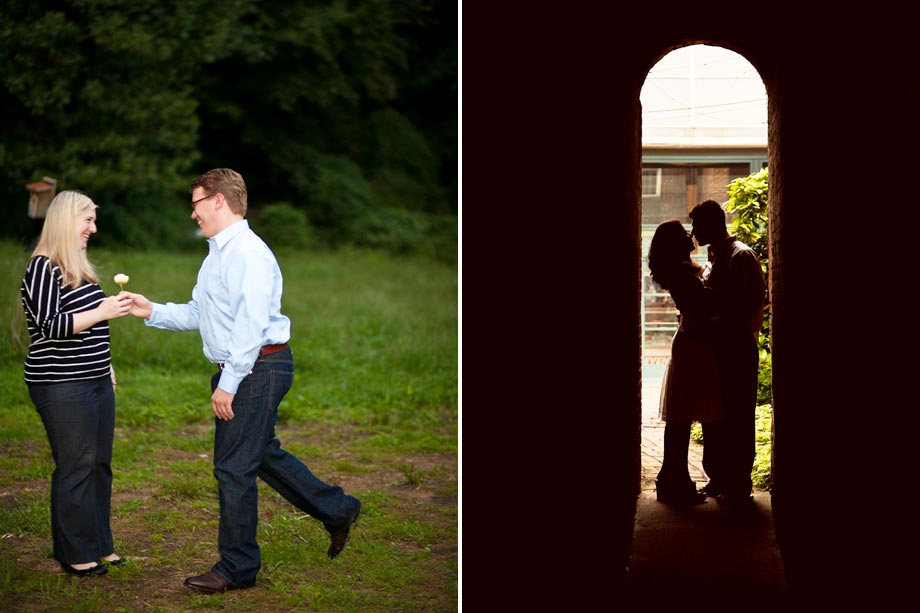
<point x="71" y="381"/>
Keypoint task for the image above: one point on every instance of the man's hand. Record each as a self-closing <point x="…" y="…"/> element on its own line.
<point x="222" y="403"/>
<point x="140" y="306"/>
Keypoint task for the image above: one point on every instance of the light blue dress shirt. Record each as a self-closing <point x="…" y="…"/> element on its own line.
<point x="236" y="304"/>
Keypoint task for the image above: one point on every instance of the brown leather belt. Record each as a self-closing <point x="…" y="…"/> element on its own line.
<point x="270" y="349"/>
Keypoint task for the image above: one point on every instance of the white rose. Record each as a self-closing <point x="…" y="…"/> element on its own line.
<point x="121" y="279"/>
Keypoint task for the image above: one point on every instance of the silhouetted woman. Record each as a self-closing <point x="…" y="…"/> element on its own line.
<point x="689" y="390"/>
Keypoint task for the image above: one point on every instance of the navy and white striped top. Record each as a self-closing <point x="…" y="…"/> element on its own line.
<point x="55" y="353"/>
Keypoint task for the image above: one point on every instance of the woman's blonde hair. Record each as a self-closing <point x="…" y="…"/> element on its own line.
<point x="60" y="239"/>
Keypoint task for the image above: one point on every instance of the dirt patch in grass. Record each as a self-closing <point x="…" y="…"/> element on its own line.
<point x="169" y="535"/>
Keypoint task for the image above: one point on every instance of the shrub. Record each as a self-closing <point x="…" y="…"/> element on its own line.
<point x="338" y="198"/>
<point x="344" y="209"/>
<point x="403" y="232"/>
<point x="748" y="198"/>
<point x="282" y="225"/>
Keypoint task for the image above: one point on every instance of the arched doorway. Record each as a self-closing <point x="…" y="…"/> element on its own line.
<point x="704" y="125"/>
<point x="834" y="364"/>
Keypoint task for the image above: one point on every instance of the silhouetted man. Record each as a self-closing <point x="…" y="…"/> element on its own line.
<point x="739" y="289"/>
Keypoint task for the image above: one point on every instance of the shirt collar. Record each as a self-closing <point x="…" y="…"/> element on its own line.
<point x="723" y="245"/>
<point x="223" y="237"/>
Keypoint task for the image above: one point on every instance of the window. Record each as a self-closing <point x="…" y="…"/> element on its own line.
<point x="670" y="188"/>
<point x="651" y="182"/>
<point x="676" y="187"/>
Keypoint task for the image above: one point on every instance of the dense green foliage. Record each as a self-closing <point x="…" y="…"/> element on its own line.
<point x="346" y="110"/>
<point x="749" y="199"/>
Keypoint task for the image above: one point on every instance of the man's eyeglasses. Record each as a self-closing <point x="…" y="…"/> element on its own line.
<point x="195" y="202"/>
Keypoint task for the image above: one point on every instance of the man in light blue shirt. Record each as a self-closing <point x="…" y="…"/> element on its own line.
<point x="236" y="307"/>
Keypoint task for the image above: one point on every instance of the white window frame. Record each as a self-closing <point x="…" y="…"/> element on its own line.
<point x="647" y="172"/>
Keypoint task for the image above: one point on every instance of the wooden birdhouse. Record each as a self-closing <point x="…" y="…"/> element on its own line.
<point x="40" y="195"/>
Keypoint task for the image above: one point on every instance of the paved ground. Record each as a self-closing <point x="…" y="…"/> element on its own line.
<point x="653" y="439"/>
<point x="710" y="556"/>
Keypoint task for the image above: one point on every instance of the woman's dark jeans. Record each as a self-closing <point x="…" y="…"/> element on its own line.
<point x="79" y="418"/>
<point x="245" y="448"/>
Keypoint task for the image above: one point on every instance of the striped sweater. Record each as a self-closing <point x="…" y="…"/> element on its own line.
<point x="55" y="353"/>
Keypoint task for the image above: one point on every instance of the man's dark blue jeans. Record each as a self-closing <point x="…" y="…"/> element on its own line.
<point x="245" y="448"/>
<point x="79" y="419"/>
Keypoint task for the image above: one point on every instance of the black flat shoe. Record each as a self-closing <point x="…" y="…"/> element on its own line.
<point x="99" y="569"/>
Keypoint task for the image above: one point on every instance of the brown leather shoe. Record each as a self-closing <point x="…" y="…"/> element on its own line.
<point x="211" y="583"/>
<point x="341" y="537"/>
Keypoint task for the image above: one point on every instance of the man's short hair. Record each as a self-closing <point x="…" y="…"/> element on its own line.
<point x="708" y="211"/>
<point x="226" y="181"/>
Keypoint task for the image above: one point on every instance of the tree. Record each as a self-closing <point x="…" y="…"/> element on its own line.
<point x="128" y="101"/>
<point x="332" y="86"/>
<point x="101" y="98"/>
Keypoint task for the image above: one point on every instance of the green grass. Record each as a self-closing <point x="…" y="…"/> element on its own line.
<point x="374" y="408"/>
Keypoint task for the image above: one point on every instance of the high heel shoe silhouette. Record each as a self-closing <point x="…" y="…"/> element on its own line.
<point x="684" y="494"/>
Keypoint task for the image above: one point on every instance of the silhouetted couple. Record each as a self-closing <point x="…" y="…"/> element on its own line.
<point x="711" y="376"/>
